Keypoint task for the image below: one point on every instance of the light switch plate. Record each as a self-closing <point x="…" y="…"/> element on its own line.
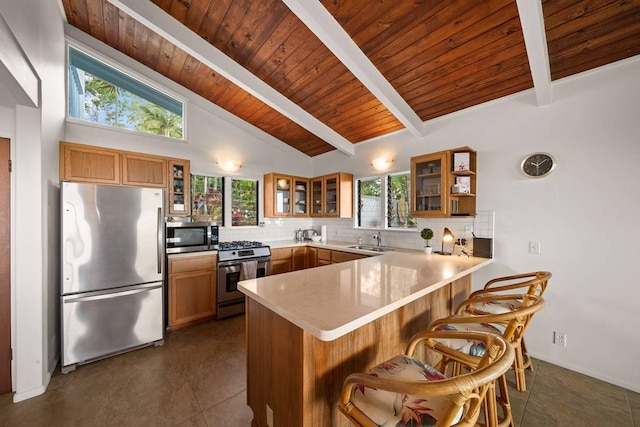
<point x="534" y="248"/>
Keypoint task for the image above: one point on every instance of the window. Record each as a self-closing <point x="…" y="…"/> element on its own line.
<point x="207" y="194"/>
<point x="101" y="94"/>
<point x="244" y="202"/>
<point x="385" y="206"/>
<point x="369" y="203"/>
<point x="399" y="201"/>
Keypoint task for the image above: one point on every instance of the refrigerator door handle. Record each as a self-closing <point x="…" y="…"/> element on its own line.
<point x="110" y="294"/>
<point x="160" y="240"/>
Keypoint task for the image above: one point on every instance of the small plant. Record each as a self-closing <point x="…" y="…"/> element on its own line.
<point x="426" y="234"/>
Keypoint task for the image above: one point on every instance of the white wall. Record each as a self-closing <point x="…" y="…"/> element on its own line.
<point x="584" y="213"/>
<point x="34" y="214"/>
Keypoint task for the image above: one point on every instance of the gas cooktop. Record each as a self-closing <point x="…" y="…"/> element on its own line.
<point x="239" y="244"/>
<point x="242" y="250"/>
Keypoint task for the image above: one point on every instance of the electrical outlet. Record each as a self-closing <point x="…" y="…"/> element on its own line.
<point x="534" y="248"/>
<point x="560" y="338"/>
<point x="269" y="416"/>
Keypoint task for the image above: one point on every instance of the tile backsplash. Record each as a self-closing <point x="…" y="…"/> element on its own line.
<point x="482" y="225"/>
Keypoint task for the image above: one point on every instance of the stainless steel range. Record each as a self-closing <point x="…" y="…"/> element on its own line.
<point x="239" y="260"/>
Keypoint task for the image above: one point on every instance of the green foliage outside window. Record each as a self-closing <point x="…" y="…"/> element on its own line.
<point x="244" y="202"/>
<point x="207" y="195"/>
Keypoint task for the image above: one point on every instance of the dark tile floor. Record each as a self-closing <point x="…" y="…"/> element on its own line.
<point x="197" y="378"/>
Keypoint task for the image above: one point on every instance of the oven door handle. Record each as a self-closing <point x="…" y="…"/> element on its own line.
<point x="222" y="265"/>
<point x="239" y="263"/>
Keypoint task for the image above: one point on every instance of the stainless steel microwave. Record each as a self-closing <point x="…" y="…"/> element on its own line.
<point x="191" y="237"/>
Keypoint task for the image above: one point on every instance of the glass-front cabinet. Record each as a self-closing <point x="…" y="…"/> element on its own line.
<point x="329" y="195"/>
<point x="285" y="195"/>
<point x="332" y="195"/>
<point x="178" y="194"/>
<point x="317" y="197"/>
<point x="427" y="175"/>
<point x="300" y="197"/>
<point x="444" y="183"/>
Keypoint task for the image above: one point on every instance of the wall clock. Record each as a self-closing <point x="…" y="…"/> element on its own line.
<point x="537" y="165"/>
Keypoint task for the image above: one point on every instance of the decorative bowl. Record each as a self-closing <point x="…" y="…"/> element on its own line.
<point x="316" y="238"/>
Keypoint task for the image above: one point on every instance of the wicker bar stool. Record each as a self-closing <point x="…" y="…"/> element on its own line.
<point x="534" y="283"/>
<point x="511" y="325"/>
<point x="405" y="389"/>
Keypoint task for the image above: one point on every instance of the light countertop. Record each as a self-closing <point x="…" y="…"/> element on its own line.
<point x="333" y="300"/>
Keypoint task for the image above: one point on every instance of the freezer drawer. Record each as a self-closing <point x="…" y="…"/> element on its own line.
<point x="102" y="323"/>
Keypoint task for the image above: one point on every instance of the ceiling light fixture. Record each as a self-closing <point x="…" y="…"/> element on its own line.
<point x="229" y="165"/>
<point x="382" y="163"/>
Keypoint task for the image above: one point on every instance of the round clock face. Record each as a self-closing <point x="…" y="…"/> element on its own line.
<point x="538" y="165"/>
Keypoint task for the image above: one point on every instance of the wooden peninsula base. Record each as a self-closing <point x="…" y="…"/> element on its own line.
<point x="299" y="377"/>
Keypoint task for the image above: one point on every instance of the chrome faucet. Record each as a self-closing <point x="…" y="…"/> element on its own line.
<point x="378" y="238"/>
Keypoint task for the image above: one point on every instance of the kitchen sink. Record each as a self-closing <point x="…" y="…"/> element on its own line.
<point x="370" y="248"/>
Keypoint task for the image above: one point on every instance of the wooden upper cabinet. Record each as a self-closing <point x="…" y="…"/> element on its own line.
<point x="338" y="195"/>
<point x="317" y="197"/>
<point x="87" y="163"/>
<point x="82" y="163"/>
<point x="285" y="195"/>
<point x="332" y="195"/>
<point x="444" y="183"/>
<point x="143" y="170"/>
<point x="300" y="197"/>
<point x="277" y="195"/>
<point x="179" y="188"/>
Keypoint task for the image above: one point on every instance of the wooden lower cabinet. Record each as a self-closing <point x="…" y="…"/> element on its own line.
<point x="324" y="256"/>
<point x="281" y="260"/>
<point x="339" y="256"/>
<point x="312" y="257"/>
<point x="328" y="256"/>
<point x="192" y="289"/>
<point x="299" y="258"/>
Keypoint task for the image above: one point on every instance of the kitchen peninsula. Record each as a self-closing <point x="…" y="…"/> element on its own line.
<point x="308" y="329"/>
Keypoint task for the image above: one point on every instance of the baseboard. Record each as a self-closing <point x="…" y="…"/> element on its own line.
<point x="28" y="394"/>
<point x="587" y="372"/>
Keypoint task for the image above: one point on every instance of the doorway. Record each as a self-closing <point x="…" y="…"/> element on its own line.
<point x="5" y="267"/>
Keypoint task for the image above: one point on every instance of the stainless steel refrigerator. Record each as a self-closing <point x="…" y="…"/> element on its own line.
<point x="112" y="291"/>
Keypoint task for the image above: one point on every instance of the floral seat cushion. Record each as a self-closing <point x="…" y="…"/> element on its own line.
<point x="470" y="347"/>
<point x="497" y="307"/>
<point x="390" y="409"/>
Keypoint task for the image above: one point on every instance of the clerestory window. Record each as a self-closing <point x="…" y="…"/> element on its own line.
<point x="100" y="93"/>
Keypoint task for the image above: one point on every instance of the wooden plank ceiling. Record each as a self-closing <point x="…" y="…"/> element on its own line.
<point x="440" y="56"/>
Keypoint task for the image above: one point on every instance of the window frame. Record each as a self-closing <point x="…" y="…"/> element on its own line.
<point x="230" y="204"/>
<point x="134" y="75"/>
<point x="384" y="206"/>
<point x="223" y="191"/>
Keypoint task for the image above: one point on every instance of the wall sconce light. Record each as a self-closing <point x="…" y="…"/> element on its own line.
<point x="229" y="165"/>
<point x="381" y="163"/>
<point x="447" y="236"/>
